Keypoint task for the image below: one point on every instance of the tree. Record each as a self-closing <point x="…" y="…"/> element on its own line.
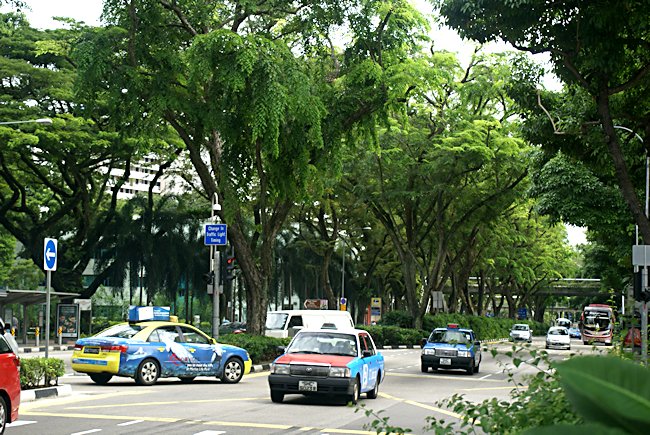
<point x="600" y="50"/>
<point x="258" y="122"/>
<point x="444" y="168"/>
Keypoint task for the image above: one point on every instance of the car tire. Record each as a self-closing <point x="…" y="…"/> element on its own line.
<point x="585" y="342"/>
<point x="148" y="372"/>
<point x="277" y="396"/>
<point x="470" y="369"/>
<point x="354" y="397"/>
<point x="100" y="378"/>
<point x="187" y="379"/>
<point x="233" y="371"/>
<point x="4" y="414"/>
<point x="372" y="394"/>
<point x="477" y="368"/>
<point x="547" y="346"/>
<point x="424" y="368"/>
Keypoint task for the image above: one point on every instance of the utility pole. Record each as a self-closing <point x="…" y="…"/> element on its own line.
<point x="214" y="270"/>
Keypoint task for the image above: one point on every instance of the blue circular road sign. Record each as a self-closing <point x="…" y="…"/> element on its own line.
<point x="49" y="254"/>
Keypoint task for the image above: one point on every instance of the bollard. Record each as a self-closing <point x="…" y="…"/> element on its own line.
<point x="36" y="333"/>
<point x="60" y="331"/>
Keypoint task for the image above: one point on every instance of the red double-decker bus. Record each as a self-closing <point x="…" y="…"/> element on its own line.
<point x="597" y="324"/>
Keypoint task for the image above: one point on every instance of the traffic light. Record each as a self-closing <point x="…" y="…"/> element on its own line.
<point x="231" y="265"/>
<point x="208" y="278"/>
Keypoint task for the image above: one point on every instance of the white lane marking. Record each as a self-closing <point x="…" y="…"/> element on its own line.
<point x="21" y="423"/>
<point x="129" y="423"/>
<point x="210" y="432"/>
<point x="87" y="431"/>
<point x="486" y="376"/>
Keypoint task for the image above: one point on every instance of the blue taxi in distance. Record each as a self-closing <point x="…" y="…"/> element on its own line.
<point x="343" y="363"/>
<point x="451" y="348"/>
<point x="147" y="350"/>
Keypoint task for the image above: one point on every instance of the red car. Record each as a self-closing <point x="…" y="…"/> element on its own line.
<point x="9" y="379"/>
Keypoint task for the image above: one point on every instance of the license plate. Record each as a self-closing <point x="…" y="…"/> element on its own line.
<point x="307" y="386"/>
<point x="445" y="361"/>
<point x="93" y="350"/>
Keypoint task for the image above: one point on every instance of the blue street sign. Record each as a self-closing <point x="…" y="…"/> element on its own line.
<point x="522" y="313"/>
<point x="343" y="301"/>
<point x="215" y="234"/>
<point x="49" y="254"/>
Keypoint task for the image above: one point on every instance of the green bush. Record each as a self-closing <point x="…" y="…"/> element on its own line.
<point x="394" y="335"/>
<point x="400" y="318"/>
<point x="101" y="323"/>
<point x="261" y="349"/>
<point x="37" y="372"/>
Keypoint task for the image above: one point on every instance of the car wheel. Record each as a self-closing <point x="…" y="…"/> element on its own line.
<point x="585" y="342"/>
<point x="187" y="379"/>
<point x="354" y="397"/>
<point x="477" y="368"/>
<point x="277" y="396"/>
<point x="233" y="371"/>
<point x="470" y="369"/>
<point x="375" y="391"/>
<point x="4" y="413"/>
<point x="547" y="346"/>
<point x="424" y="368"/>
<point x="100" y="378"/>
<point x="148" y="372"/>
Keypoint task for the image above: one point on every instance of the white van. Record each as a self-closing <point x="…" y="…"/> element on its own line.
<point x="286" y="323"/>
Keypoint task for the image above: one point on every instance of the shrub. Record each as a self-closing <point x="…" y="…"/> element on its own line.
<point x="37" y="372"/>
<point x="402" y="319"/>
<point x="261" y="349"/>
<point x="393" y="335"/>
<point x="101" y="323"/>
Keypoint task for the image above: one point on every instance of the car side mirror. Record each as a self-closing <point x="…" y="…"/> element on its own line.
<point x="366" y="353"/>
<point x="281" y="349"/>
<point x="423" y="342"/>
<point x="477" y="343"/>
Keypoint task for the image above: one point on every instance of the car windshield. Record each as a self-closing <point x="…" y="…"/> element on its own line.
<point x="324" y="343"/>
<point x="520" y="328"/>
<point x="276" y="320"/>
<point x="121" y="331"/>
<point x="558" y="332"/>
<point x="451" y="336"/>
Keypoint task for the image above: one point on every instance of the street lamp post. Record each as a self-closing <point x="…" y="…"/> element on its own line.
<point x="214" y="271"/>
<point x="47" y="121"/>
<point x="644" y="270"/>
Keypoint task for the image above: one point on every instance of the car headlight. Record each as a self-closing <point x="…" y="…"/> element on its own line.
<point x="339" y="372"/>
<point x="280" y="369"/>
<point x="464" y="353"/>
<point x="428" y="351"/>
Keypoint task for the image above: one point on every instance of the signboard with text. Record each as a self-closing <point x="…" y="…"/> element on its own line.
<point x="216" y="234"/>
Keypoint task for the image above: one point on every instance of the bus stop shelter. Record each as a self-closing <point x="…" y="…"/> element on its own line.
<point x="26" y="298"/>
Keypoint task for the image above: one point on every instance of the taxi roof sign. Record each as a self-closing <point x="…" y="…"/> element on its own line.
<point x="140" y="314"/>
<point x="452" y="325"/>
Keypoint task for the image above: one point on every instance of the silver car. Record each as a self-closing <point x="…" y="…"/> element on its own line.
<point x="521" y="332"/>
<point x="558" y="336"/>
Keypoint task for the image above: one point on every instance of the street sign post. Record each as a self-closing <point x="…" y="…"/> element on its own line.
<point x="50" y="250"/>
<point x="216" y="234"/>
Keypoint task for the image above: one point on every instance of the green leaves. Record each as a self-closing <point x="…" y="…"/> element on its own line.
<point x="608" y="390"/>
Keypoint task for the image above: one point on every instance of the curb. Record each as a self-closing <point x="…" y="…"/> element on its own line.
<point x="42" y="348"/>
<point x="44" y="393"/>
<point x="260" y="368"/>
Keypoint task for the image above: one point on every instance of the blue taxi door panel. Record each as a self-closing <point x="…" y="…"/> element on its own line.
<point x="205" y="361"/>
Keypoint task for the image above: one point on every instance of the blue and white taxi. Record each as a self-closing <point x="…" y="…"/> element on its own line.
<point x="332" y="362"/>
<point x="451" y="348"/>
<point x="150" y="349"/>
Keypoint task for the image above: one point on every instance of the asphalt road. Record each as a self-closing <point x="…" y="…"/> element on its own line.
<point x="208" y="407"/>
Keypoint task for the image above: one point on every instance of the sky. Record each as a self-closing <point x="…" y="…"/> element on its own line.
<point x="89" y="11"/>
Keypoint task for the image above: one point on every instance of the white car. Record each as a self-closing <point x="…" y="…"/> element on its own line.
<point x="521" y="331"/>
<point x="558" y="336"/>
